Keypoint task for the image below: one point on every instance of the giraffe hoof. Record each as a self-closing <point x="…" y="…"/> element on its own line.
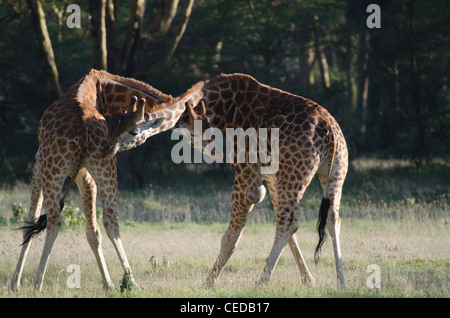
<point x="262" y="281"/>
<point x="12" y="288"/>
<point x="309" y="281"/>
<point x="128" y="283"/>
<point x="209" y="285"/>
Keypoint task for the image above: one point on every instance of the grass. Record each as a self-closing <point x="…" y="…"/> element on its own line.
<point x="393" y="216"/>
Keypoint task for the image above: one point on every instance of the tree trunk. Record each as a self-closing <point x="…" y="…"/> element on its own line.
<point x="310" y="62"/>
<point x="306" y="63"/>
<point x="45" y="49"/>
<point x="349" y="72"/>
<point x="111" y="43"/>
<point x="97" y="9"/>
<point x="416" y="89"/>
<point x="363" y="79"/>
<point x="162" y="23"/>
<point x="129" y="52"/>
<point x="323" y="64"/>
<point x="174" y="41"/>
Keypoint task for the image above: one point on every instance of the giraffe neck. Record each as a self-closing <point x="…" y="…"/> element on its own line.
<point x="236" y="100"/>
<point x="110" y="94"/>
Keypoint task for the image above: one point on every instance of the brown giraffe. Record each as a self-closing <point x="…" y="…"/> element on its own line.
<point x="72" y="134"/>
<point x="310" y="142"/>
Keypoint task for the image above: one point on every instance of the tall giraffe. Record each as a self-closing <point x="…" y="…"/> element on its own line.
<point x="310" y="142"/>
<point x="72" y="135"/>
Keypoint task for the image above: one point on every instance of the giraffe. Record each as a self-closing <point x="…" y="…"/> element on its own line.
<point x="72" y="134"/>
<point x="310" y="141"/>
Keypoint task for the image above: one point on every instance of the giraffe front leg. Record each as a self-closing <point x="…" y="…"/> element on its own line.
<point x="88" y="192"/>
<point x="108" y="193"/>
<point x="112" y="229"/>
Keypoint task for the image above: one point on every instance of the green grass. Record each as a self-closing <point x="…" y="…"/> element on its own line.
<point x="393" y="215"/>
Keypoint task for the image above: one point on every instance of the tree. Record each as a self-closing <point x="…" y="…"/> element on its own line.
<point x="97" y="10"/>
<point x="175" y="38"/>
<point x="144" y="43"/>
<point x="45" y="49"/>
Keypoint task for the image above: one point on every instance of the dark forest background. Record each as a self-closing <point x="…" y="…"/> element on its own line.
<point x="387" y="87"/>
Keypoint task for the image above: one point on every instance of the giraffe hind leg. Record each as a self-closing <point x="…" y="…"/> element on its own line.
<point x="51" y="192"/>
<point x="33" y="216"/>
<point x="285" y="229"/>
<point x="300" y="260"/>
<point x="293" y="245"/>
<point x="329" y="210"/>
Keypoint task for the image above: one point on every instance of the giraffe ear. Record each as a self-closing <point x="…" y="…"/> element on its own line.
<point x="210" y="117"/>
<point x="158" y="122"/>
<point x="152" y="124"/>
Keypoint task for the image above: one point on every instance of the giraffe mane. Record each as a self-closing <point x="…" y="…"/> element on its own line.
<point x="128" y="81"/>
<point x="222" y="78"/>
<point x="94" y="76"/>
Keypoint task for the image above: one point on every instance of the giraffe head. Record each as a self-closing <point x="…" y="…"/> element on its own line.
<point x="133" y="128"/>
<point x="196" y="131"/>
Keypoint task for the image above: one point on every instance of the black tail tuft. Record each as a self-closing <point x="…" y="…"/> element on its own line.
<point x="321" y="222"/>
<point x="34" y="229"/>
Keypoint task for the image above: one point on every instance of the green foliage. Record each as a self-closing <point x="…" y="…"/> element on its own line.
<point x="18" y="212"/>
<point x="72" y="217"/>
<point x="408" y="101"/>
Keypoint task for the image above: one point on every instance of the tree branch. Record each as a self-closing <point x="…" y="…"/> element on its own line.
<point x="174" y="41"/>
<point x="159" y="27"/>
<point x="134" y="31"/>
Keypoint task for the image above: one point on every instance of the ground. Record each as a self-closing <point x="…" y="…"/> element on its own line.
<point x="400" y="225"/>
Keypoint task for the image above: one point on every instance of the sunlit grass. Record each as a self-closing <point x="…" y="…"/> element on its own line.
<point x="393" y="216"/>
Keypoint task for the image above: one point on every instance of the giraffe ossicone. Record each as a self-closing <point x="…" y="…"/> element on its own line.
<point x="130" y="135"/>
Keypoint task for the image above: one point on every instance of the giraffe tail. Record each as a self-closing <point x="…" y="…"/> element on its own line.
<point x="34" y="229"/>
<point x="321" y="223"/>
